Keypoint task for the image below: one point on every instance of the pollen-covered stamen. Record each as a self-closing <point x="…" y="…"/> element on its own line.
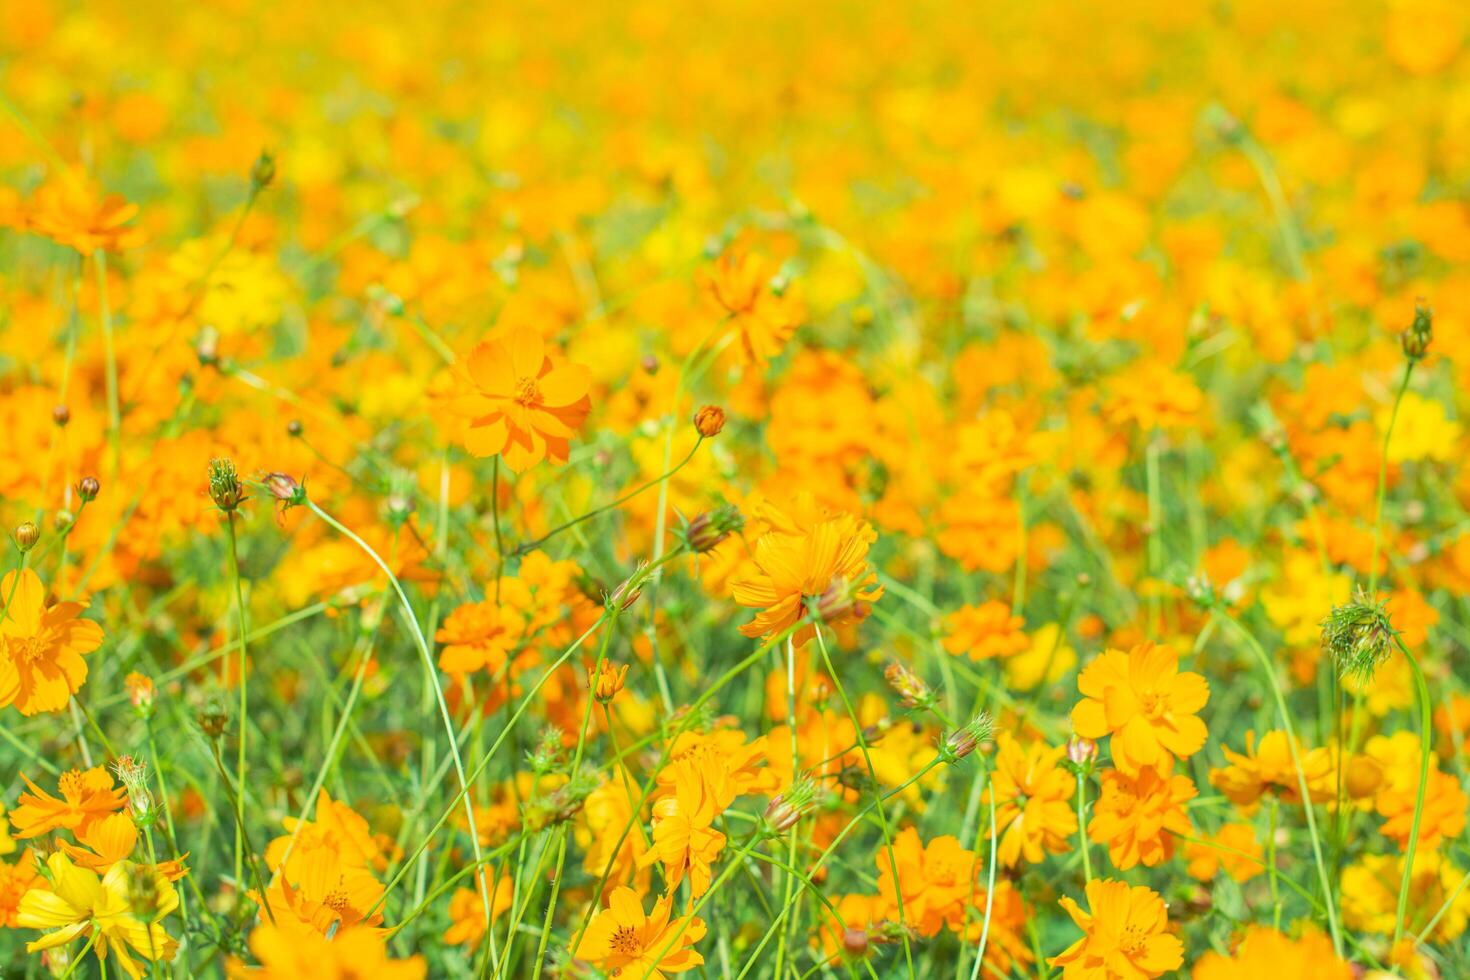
<point x="625" y="941"/>
<point x="528" y="392"/>
<point x="30" y="648"/>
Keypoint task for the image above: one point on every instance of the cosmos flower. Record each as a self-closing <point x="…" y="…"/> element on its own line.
<point x="519" y="401"/>
<point x="41" y="646"/>
<point x="624" y="940"/>
<point x="86" y="797"/>
<point x="1125" y="935"/>
<point x="1146" y="703"/>
<point x="1033" y="795"/>
<point x="79" y="902"/>
<point x="285" y="954"/>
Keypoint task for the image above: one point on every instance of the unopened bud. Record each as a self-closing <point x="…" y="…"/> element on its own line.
<point x="26" y="535"/>
<point x="854" y="941"/>
<point x="1417" y="338"/>
<point x="89" y="488"/>
<point x="263" y="172"/>
<point x="711" y="527"/>
<point x="60" y="415"/>
<point x="627" y="591"/>
<point x="709" y="421"/>
<point x="285" y="490"/>
<point x="964" y="741"/>
<point x="785" y="809"/>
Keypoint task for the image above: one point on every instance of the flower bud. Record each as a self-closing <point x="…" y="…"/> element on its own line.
<point x="709" y="421"/>
<point x="786" y="808"/>
<point x="964" y="741"/>
<point x="1419" y="334"/>
<point x="140" y="692"/>
<point x="1081" y="751"/>
<point x="26" y="535"/>
<point x="627" y="591"/>
<point x="225" y="488"/>
<point x="286" y="491"/>
<point x="708" y="529"/>
<point x="294" y="428"/>
<point x="89" y="488"/>
<point x="854" y="941"/>
<point x="913" y="690"/>
<point x="263" y="171"/>
<point x="61" y="415"/>
<point x="608" y="681"/>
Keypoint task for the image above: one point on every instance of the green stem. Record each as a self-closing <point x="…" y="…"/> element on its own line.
<point x="1265" y="662"/>
<point x="1425" y="750"/>
<point x="114" y="410"/>
<point x="431" y="674"/>
<point x="243" y="632"/>
<point x="1383" y="481"/>
<point x="1081" y="829"/>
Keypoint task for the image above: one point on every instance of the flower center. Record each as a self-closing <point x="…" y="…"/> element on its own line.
<point x="337" y="901"/>
<point x="625" y="941"/>
<point x="29" y="648"/>
<point x="1152" y="703"/>
<point x="527" y="391"/>
<point x="1133" y="940"/>
<point x="70" y="784"/>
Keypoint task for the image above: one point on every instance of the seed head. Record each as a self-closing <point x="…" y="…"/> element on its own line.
<point x="1358" y="636"/>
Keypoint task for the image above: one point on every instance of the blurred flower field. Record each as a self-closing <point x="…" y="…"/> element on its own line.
<point x="734" y="490"/>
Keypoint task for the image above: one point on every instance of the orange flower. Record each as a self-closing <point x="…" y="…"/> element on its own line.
<point x="340" y="829"/>
<point x="1445" y="803"/>
<point x="467" y="910"/>
<point x="1138" y="816"/>
<point x="521" y="403"/>
<point x="286" y="954"/>
<point x="1147" y="705"/>
<point x="72" y="210"/>
<point x="823" y="562"/>
<point x="86" y="797"/>
<point x="985" y="631"/>
<point x="846" y="933"/>
<point x="1268" y="767"/>
<point x="1266" y="952"/>
<point x="1125" y="937"/>
<point x="1033" y="796"/>
<point x="15" y="880"/>
<point x="625" y="941"/>
<point x="315" y="892"/>
<point x="684" y="839"/>
<point x="1239" y="853"/>
<point x="41" y="646"/>
<point x="609" y="851"/>
<point x="935" y="880"/>
<point x="740" y="283"/>
<point x="109" y="841"/>
<point x="479" y="635"/>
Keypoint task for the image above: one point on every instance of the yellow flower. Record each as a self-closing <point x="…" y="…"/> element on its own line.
<point x="1050" y="657"/>
<point x="985" y="631"/>
<point x="79" y="902"/>
<point x="623" y="940"/>
<point x="1370" y="891"/>
<point x="1421" y="431"/>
